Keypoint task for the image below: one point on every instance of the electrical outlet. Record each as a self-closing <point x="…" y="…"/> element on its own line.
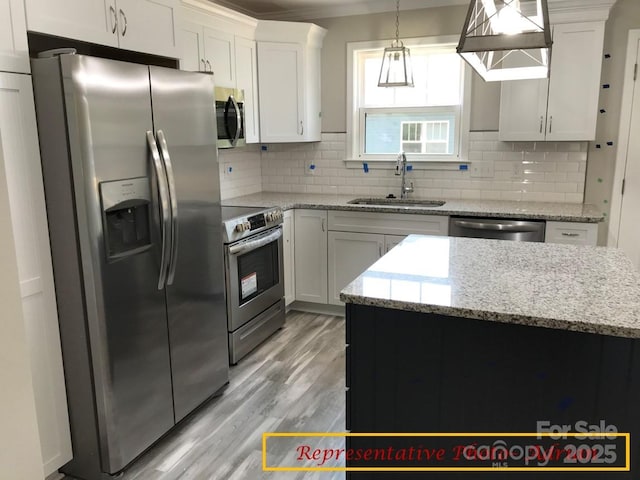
<point x="310" y="167"/>
<point x="482" y="169"/>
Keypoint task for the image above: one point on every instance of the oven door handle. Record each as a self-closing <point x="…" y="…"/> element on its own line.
<point x="254" y="244"/>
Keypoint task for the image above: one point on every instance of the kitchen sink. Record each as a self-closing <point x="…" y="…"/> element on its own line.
<point x="401" y="202"/>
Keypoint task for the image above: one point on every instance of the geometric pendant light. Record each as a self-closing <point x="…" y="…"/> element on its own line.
<point x="396" y="61"/>
<point x="507" y="39"/>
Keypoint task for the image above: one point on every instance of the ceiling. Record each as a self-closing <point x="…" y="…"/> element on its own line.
<point x="310" y="9"/>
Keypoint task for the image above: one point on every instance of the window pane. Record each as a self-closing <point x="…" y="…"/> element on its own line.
<point x="422" y="132"/>
<point x="436" y="75"/>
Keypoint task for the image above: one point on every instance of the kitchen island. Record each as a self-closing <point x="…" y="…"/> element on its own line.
<point x="469" y="335"/>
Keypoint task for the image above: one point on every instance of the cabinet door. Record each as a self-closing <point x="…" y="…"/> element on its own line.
<point x="350" y="254"/>
<point x="191" y="47"/>
<point x="247" y="80"/>
<point x="391" y="241"/>
<point x="311" y="255"/>
<point x="14" y="52"/>
<point x="220" y="53"/>
<point x="289" y="260"/>
<point x="574" y="83"/>
<point x="88" y="20"/>
<point x="281" y="87"/>
<point x="149" y="26"/>
<point x="29" y="221"/>
<point x="523" y="110"/>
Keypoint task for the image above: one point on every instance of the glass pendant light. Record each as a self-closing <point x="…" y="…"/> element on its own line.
<point x="507" y="39"/>
<point x="396" y="61"/>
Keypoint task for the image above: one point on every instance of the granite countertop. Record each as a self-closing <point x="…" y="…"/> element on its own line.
<point x="578" y="288"/>
<point x="562" y="212"/>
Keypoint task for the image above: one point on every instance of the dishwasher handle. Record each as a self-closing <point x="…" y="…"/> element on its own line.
<point x="502" y="227"/>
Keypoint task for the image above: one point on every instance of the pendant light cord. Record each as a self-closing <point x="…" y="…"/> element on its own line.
<point x="397" y="20"/>
<point x="397" y="23"/>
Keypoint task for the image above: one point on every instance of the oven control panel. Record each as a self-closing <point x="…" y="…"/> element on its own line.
<point x="242" y="227"/>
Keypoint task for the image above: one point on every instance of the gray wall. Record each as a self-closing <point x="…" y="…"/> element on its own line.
<point x="625" y="15"/>
<point x="381" y="26"/>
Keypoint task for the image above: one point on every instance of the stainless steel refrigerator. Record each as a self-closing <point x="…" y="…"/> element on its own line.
<point x="133" y="201"/>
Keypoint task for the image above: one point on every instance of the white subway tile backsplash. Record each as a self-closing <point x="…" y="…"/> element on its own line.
<point x="540" y="171"/>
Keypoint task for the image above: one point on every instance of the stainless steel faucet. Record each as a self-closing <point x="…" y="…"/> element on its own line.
<point x="401" y="169"/>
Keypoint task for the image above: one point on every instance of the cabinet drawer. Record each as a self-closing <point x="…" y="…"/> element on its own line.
<point x="572" y="233"/>
<point x="388" y="223"/>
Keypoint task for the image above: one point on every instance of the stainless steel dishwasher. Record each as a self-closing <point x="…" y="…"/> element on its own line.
<point x="497" y="228"/>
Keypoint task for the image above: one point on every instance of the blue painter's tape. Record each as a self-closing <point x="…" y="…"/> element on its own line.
<point x="409" y="168"/>
<point x="610" y="144"/>
<point x="606" y="85"/>
<point x="602" y="110"/>
<point x="463" y="167"/>
<point x="230" y="169"/>
<point x="263" y="148"/>
<point x="607" y="55"/>
<point x="312" y="166"/>
<point x="365" y="167"/>
<point x="598" y="145"/>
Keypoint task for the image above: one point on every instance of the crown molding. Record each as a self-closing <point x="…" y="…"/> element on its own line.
<point x="231" y="13"/>
<point x="568" y="11"/>
<point x="343" y="10"/>
<point x="560" y="11"/>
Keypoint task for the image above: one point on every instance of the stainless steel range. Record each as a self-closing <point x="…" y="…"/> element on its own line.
<point x="253" y="275"/>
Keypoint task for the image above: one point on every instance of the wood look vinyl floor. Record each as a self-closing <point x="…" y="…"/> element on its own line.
<point x="294" y="382"/>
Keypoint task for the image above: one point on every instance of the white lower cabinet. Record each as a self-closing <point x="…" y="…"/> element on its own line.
<point x="19" y="148"/>
<point x="358" y="239"/>
<point x="311" y="255"/>
<point x="350" y="254"/>
<point x="391" y="241"/>
<point x="573" y="233"/>
<point x="289" y="259"/>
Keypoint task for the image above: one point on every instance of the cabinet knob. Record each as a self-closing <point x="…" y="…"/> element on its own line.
<point x="541" y="121"/>
<point x="550" y="123"/>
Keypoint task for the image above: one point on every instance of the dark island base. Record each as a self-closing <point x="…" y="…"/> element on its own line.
<point x="416" y="372"/>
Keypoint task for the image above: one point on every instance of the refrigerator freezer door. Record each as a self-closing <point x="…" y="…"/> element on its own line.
<point x="108" y="109"/>
<point x="183" y="110"/>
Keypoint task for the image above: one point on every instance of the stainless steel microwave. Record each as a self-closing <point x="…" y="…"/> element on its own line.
<point x="230" y="117"/>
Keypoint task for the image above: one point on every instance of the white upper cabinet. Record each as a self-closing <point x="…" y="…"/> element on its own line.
<point x="247" y="80"/>
<point x="14" y="52"/>
<point x="219" y="53"/>
<point x="565" y="106"/>
<point x="147" y="26"/>
<point x="217" y="40"/>
<point x="574" y="86"/>
<point x="289" y="57"/>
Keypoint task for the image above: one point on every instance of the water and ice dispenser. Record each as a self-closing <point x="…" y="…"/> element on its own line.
<point x="126" y="216"/>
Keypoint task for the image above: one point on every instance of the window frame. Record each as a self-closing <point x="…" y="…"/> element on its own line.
<point x="355" y="137"/>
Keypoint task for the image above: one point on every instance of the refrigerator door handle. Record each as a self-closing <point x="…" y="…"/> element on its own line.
<point x="164" y="206"/>
<point x="164" y="154"/>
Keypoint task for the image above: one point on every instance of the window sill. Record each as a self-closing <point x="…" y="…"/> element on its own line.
<point x="450" y="165"/>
